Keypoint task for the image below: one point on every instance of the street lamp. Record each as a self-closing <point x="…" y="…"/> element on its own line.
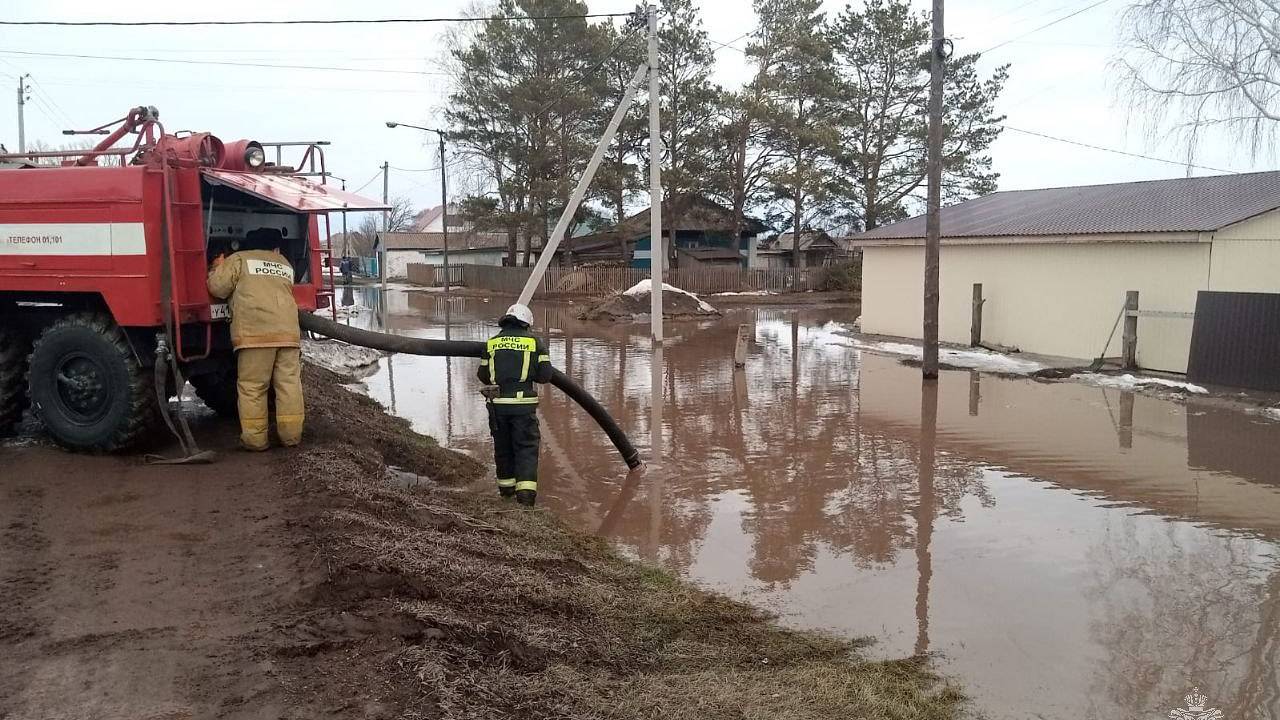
<point x="444" y="194"/>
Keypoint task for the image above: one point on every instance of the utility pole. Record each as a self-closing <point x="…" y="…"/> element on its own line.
<point x="22" y="123"/>
<point x="444" y="211"/>
<point x="346" y="239"/>
<point x="657" y="252"/>
<point x="386" y="223"/>
<point x="933" y="225"/>
<point x="444" y="195"/>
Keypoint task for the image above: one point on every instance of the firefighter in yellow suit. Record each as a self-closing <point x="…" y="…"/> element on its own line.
<point x="258" y="283"/>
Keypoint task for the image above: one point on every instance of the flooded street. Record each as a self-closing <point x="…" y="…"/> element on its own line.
<point x="1063" y="550"/>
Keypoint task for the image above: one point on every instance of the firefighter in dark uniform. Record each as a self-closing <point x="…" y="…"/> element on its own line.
<point x="513" y="362"/>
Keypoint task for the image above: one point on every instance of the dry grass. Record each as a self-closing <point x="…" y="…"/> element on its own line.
<point x="501" y="612"/>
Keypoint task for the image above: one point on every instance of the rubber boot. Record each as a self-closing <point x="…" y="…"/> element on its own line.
<point x="527" y="497"/>
<point x="507" y="492"/>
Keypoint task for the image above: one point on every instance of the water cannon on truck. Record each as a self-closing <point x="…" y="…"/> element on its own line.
<point x="103" y="261"/>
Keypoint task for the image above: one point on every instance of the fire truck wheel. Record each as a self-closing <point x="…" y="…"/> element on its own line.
<point x="14" y="349"/>
<point x="87" y="387"/>
<point x="218" y="389"/>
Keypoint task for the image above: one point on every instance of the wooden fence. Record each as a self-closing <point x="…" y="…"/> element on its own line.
<point x="605" y="280"/>
<point x="432" y="275"/>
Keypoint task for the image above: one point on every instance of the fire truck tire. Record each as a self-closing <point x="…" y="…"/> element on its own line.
<point x="87" y="387"/>
<point x="217" y="389"/>
<point x="14" y="349"/>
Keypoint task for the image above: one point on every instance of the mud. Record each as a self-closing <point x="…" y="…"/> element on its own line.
<point x="1061" y="549"/>
<point x="303" y="583"/>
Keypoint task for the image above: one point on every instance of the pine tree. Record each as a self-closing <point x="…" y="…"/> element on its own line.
<point x="620" y="175"/>
<point x="801" y="101"/>
<point x="882" y="57"/>
<point x="526" y="108"/>
<point x="689" y="106"/>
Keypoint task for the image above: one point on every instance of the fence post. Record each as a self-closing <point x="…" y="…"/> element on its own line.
<point x="740" y="348"/>
<point x="1129" y="341"/>
<point x="975" y="325"/>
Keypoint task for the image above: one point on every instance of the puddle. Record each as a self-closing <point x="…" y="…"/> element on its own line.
<point x="1063" y="550"/>
<point x="405" y="480"/>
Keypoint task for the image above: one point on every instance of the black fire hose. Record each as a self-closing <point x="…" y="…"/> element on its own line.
<point x="469" y="348"/>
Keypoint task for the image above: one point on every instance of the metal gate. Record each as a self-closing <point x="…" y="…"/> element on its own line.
<point x="1236" y="340"/>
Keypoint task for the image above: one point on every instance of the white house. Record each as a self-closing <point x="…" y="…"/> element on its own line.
<point x="1055" y="264"/>
<point x="432" y="220"/>
<point x="465" y="248"/>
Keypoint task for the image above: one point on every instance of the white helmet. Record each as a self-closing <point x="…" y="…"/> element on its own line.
<point x="519" y="312"/>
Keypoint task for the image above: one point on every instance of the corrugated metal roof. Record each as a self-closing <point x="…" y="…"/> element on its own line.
<point x="807" y="240"/>
<point x="291" y="191"/>
<point x="1201" y="204"/>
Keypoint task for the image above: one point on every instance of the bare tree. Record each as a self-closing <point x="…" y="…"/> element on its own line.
<point x="400" y="220"/>
<point x="1192" y="65"/>
<point x="84" y="144"/>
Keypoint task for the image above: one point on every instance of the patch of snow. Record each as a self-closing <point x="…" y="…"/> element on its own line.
<point x="1136" y="382"/>
<point x="753" y="293"/>
<point x="1270" y="413"/>
<point x="973" y="359"/>
<point x="340" y="357"/>
<point x="644" y="287"/>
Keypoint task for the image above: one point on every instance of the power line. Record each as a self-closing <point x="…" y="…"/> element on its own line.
<point x="1046" y="25"/>
<point x="48" y="99"/>
<point x="375" y="177"/>
<point x="346" y="21"/>
<point x="238" y="87"/>
<point x="1077" y="143"/>
<point x="220" y="62"/>
<point x="729" y="44"/>
<point x="455" y="163"/>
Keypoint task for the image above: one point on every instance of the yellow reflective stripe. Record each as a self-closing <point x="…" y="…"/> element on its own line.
<point x="484" y="363"/>
<point x="524" y="369"/>
<point x="493" y="372"/>
<point x="516" y="401"/>
<point x="506" y="482"/>
<point x="527" y="485"/>
<point x="544" y="358"/>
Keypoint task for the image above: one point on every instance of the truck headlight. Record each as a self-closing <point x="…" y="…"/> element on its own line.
<point x="254" y="156"/>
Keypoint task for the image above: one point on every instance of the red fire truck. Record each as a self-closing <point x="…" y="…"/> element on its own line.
<point x="103" y="260"/>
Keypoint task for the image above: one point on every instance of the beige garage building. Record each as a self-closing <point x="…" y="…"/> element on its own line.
<point x="1055" y="264"/>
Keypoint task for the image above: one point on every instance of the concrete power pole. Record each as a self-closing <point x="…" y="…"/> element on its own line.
<point x="346" y="239"/>
<point x="22" y="121"/>
<point x="444" y="212"/>
<point x="386" y="224"/>
<point x="933" y="225"/>
<point x="657" y="252"/>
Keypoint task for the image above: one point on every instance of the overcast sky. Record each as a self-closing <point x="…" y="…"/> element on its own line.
<point x="1059" y="85"/>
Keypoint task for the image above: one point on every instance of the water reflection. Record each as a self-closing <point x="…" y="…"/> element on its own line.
<point x="924" y="512"/>
<point x="1065" y="550"/>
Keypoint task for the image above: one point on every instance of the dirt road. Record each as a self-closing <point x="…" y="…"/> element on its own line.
<point x="302" y="584"/>
<point x="134" y="591"/>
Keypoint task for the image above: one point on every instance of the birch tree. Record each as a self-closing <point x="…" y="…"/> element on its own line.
<point x="1194" y="65"/>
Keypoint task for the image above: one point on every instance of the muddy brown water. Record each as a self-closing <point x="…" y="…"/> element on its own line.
<point x="1061" y="550"/>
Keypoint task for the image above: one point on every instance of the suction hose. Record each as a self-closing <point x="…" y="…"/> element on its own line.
<point x="469" y="348"/>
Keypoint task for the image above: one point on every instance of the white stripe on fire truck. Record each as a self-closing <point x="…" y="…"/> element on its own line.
<point x="72" y="239"/>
